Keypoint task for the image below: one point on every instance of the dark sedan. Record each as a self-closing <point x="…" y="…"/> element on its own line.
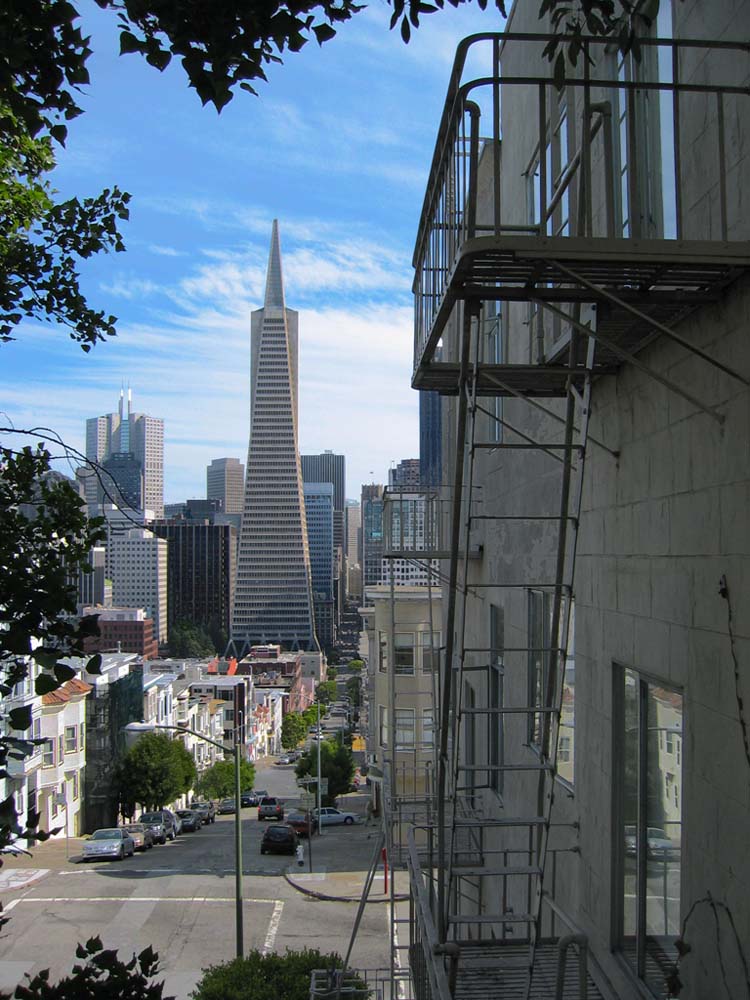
<point x="302" y="822"/>
<point x="191" y="820"/>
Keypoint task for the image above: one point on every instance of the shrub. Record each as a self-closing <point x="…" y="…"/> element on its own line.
<point x="264" y="977"/>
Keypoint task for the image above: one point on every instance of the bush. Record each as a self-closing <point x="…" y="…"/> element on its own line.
<point x="264" y="977"/>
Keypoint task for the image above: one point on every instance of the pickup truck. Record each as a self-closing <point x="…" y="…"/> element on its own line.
<point x="270" y="808"/>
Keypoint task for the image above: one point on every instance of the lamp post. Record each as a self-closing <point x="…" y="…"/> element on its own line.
<point x="150" y="727"/>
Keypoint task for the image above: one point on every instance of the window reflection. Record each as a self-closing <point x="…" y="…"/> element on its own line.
<point x="651" y="843"/>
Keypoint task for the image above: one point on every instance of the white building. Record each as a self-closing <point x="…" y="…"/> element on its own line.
<point x="273" y="594"/>
<point x="60" y="778"/>
<point x="225" y="481"/>
<point x="138" y="561"/>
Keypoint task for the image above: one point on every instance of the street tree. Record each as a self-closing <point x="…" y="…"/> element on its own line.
<point x="353" y="690"/>
<point x="326" y="691"/>
<point x="356" y="666"/>
<point x="154" y="772"/>
<point x="190" y="639"/>
<point x="336" y="764"/>
<point x="293" y="730"/>
<point x="218" y="781"/>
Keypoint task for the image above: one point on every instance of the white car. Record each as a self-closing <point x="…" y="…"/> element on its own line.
<point x="109" y="843"/>
<point x="328" y="816"/>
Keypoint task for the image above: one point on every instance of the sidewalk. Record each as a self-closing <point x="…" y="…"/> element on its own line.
<point x="52" y="853"/>
<point x="340" y="887"/>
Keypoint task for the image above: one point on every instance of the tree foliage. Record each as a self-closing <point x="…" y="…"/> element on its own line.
<point x="154" y="772"/>
<point x="190" y="639"/>
<point x="101" y="975"/>
<point x="336" y="764"/>
<point x="326" y="692"/>
<point x="353" y="690"/>
<point x="356" y="666"/>
<point x="293" y="730"/>
<point x="218" y="781"/>
<point x="45" y="540"/>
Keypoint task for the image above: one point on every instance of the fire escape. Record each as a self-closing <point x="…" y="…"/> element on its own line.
<point x="604" y="263"/>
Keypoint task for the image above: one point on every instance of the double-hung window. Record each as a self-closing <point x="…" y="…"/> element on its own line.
<point x="405" y="721"/>
<point x="403" y="660"/>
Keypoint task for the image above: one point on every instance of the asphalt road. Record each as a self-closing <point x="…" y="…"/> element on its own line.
<point x="180" y="899"/>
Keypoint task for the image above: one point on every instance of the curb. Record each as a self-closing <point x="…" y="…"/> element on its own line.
<point x="327" y="897"/>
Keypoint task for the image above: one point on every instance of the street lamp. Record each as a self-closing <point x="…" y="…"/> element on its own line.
<point x="150" y="727"/>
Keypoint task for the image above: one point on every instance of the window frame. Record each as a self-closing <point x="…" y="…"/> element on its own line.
<point x="404" y="669"/>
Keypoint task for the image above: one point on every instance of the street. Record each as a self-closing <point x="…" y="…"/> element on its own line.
<point x="179" y="898"/>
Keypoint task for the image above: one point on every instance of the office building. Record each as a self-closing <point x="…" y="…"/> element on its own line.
<point x="138" y="560"/>
<point x="225" y="481"/>
<point x="201" y="569"/>
<point x="319" y="515"/>
<point x="372" y="535"/>
<point x="132" y="434"/>
<point x="352" y="526"/>
<point x="273" y="592"/>
<point x="406" y="473"/>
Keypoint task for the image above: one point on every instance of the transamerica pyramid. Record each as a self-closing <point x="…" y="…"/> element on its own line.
<point x="273" y="592"/>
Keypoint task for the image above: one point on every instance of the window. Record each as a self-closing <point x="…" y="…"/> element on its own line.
<point x="405" y="721"/>
<point x="495" y="719"/>
<point x="428" y="729"/>
<point x="647" y="811"/>
<point x="470" y="748"/>
<point x="404" y="653"/>
<point x="383" y="725"/>
<point x="540" y="609"/>
<point x="566" y="742"/>
<point x="430" y="643"/>
<point x="76" y="785"/>
<point x="382" y="653"/>
<point x="494" y="356"/>
<point x="71" y="741"/>
<point x="48" y="758"/>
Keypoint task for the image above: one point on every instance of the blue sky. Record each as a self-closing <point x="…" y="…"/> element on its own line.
<point x="337" y="147"/>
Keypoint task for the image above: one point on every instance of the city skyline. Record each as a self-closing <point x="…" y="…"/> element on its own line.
<point x="204" y="192"/>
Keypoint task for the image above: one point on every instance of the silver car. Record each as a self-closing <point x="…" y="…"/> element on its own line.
<point x="109" y="843"/>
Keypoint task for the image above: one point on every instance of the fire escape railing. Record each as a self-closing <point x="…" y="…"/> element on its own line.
<point x="471" y="123"/>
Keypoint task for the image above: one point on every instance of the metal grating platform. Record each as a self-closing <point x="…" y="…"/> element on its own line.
<point x="480" y="976"/>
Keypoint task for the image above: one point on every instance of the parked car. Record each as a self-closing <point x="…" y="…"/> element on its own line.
<point x="658" y="845"/>
<point x="270" y="807"/>
<point x="109" y="843"/>
<point x="176" y="821"/>
<point x="301" y="822"/>
<point x="329" y="816"/>
<point x="279" y="838"/>
<point x="248" y="798"/>
<point x="191" y="820"/>
<point x="161" y="824"/>
<point x="227" y="806"/>
<point x="261" y="793"/>
<point x="143" y="838"/>
<point x="284" y="760"/>
<point x="207" y="810"/>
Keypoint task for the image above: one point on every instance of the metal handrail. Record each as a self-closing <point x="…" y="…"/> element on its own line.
<point x="428" y="936"/>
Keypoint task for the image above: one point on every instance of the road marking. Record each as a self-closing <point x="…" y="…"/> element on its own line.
<point x="273" y="927"/>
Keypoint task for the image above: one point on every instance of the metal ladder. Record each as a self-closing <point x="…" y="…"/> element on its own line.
<point x="536" y="822"/>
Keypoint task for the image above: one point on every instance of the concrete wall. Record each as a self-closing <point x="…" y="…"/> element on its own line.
<point x="661" y="524"/>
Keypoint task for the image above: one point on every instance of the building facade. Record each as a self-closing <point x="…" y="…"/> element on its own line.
<point x="273" y="591"/>
<point x="138" y="560"/>
<point x="594" y="381"/>
<point x="225" y="481"/>
<point x="136" y="435"/>
<point x="372" y="534"/>
<point x="201" y="569"/>
<point x="319" y="517"/>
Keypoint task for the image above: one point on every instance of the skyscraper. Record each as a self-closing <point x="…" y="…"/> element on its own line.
<point x="372" y="534"/>
<point x="131" y="434"/>
<point x="225" y="481"/>
<point x="273" y="593"/>
<point x="319" y="516"/>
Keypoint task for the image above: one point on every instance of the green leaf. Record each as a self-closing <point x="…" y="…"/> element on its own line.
<point x="129" y="43"/>
<point x="559" y="70"/>
<point x="323" y="32"/>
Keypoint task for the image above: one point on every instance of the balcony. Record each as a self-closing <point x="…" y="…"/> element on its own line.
<point x="609" y="206"/>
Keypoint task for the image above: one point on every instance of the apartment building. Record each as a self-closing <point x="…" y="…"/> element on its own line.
<point x="586" y="275"/>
